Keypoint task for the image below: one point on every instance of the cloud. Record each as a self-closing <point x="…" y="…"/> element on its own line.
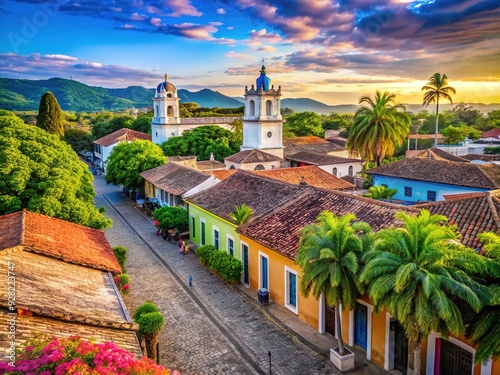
<point x="240" y="56"/>
<point x="221" y="11"/>
<point x="267" y="49"/>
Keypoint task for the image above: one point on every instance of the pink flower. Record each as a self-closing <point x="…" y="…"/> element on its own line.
<point x="126" y="286"/>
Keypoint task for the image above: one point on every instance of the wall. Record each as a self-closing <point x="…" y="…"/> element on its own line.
<point x="343" y="169"/>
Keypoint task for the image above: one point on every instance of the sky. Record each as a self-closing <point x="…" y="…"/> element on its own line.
<point x="330" y="51"/>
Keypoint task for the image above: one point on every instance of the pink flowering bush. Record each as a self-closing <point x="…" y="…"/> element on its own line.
<point x="122" y="281"/>
<point x="78" y="357"/>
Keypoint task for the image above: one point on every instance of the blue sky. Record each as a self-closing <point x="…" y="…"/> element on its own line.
<point x="332" y="51"/>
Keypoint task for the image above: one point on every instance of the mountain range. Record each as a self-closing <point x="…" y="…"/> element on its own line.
<point x="24" y="95"/>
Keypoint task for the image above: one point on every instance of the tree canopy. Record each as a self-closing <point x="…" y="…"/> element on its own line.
<point x="128" y="160"/>
<point x="41" y="173"/>
<point x="107" y="122"/>
<point x="303" y="124"/>
<point x="171" y="217"/>
<point x="50" y="117"/>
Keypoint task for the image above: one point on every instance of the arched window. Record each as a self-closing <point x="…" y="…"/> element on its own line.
<point x="170" y="111"/>
<point x="252" y="108"/>
<point x="350" y="170"/>
<point x="269" y="106"/>
<point x="232" y="167"/>
<point x="334" y="172"/>
<point x="260" y="167"/>
<point x="169" y="95"/>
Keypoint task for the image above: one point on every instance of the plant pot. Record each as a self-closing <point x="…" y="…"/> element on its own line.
<point x="344" y="362"/>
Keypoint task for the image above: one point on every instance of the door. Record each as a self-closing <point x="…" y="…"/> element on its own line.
<point x="330" y="320"/>
<point x="400" y="348"/>
<point x="245" y="265"/>
<point x="454" y="360"/>
<point x="264" y="281"/>
<point x="360" y="332"/>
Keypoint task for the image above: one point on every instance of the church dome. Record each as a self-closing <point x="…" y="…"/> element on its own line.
<point x="165" y="86"/>
<point x="263" y="80"/>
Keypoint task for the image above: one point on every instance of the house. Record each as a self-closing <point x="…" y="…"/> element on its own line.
<point x="63" y="282"/>
<point x="253" y="159"/>
<point x="482" y="159"/>
<point x="438" y="154"/>
<point x="312" y="144"/>
<point x="336" y="165"/>
<point x="103" y="146"/>
<point x="491" y="136"/>
<point x="423" y="180"/>
<point x="170" y="183"/>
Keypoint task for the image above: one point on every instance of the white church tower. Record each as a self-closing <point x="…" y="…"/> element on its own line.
<point x="262" y="120"/>
<point x="166" y="120"/>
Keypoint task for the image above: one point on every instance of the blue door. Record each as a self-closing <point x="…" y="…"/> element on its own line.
<point x="264" y="280"/>
<point x="245" y="265"/>
<point x="292" y="287"/>
<point x="361" y="329"/>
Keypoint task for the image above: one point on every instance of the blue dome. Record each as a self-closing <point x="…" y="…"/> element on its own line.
<point x="165" y="85"/>
<point x="263" y="80"/>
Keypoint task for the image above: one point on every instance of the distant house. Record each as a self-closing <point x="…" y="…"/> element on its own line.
<point x="64" y="282"/>
<point x="253" y="160"/>
<point x="491" y="136"/>
<point x="430" y="179"/>
<point x="103" y="146"/>
<point x="482" y="159"/>
<point x="335" y="165"/>
<point x="312" y="144"/>
<point x="438" y="154"/>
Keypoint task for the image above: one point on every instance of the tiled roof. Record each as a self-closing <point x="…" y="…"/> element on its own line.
<point x="437" y="154"/>
<point x="280" y="230"/>
<point x="259" y="193"/>
<point x="207" y="120"/>
<point x="445" y="172"/>
<point x="482" y="157"/>
<point x="311" y="144"/>
<point x="60" y="239"/>
<point x="205" y="165"/>
<point x="177" y="159"/>
<point x="338" y="141"/>
<point x="315" y="158"/>
<point x="494" y="133"/>
<point x="312" y="175"/>
<point x="174" y="178"/>
<point x="222" y="174"/>
<point x="122" y="135"/>
<point x="473" y="214"/>
<point x="252" y="156"/>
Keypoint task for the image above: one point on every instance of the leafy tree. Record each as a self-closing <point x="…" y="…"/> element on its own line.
<point x="378" y="127"/>
<point x="128" y="160"/>
<point x="446" y="118"/>
<point x="338" y="121"/>
<point x="493" y="120"/>
<point x="143" y="122"/>
<point x="437" y="88"/>
<point x="285" y="112"/>
<point x="380" y="192"/>
<point x="171" y="217"/>
<point x="150" y="322"/>
<point x="50" y="117"/>
<point x="106" y="123"/>
<point x="466" y="114"/>
<point x="241" y="214"/>
<point x="41" y="173"/>
<point x="453" y="134"/>
<point x="329" y="254"/>
<point x="418" y="275"/>
<point x="492" y="150"/>
<point x="78" y="139"/>
<point x="304" y="124"/>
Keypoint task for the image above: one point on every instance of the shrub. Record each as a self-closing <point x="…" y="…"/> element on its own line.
<point x="146" y="307"/>
<point x="380" y="192"/>
<point x="491" y="150"/>
<point x="122" y="281"/>
<point x="150" y="322"/>
<point x="121" y="256"/>
<point x="203" y="253"/>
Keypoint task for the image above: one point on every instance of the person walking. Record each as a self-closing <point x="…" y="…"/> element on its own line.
<point x="181" y="246"/>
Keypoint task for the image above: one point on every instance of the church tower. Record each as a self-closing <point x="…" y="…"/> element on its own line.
<point x="262" y="120"/>
<point x="166" y="120"/>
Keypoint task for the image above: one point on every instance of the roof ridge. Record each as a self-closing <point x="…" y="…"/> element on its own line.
<point x="494" y="213"/>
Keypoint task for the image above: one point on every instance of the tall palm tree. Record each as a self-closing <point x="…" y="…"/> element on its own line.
<point x="379" y="125"/>
<point x="329" y="254"/>
<point x="436" y="88"/>
<point x="241" y="214"/>
<point x="419" y="275"/>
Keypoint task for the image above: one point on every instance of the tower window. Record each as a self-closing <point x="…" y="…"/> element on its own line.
<point x="260" y="167"/>
<point x="170" y="111"/>
<point x="334" y="172"/>
<point x="156" y="111"/>
<point x="251" y="104"/>
<point x="269" y="107"/>
<point x="269" y="134"/>
<point x="350" y="170"/>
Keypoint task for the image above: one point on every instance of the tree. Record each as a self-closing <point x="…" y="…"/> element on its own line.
<point x="241" y="214"/>
<point x="41" y="173"/>
<point x="380" y="192"/>
<point x="128" y="160"/>
<point x="378" y="127"/>
<point x="304" y="124"/>
<point x="142" y="123"/>
<point x="50" y="116"/>
<point x="467" y="115"/>
<point x="493" y="119"/>
<point x="171" y="217"/>
<point x="150" y="322"/>
<point x="338" y="121"/>
<point x="418" y="275"/>
<point x="453" y="134"/>
<point x="107" y="122"/>
<point x="78" y="139"/>
<point x="437" y="88"/>
<point x="329" y="254"/>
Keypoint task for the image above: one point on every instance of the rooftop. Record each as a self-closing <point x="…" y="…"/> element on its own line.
<point x="311" y="144"/>
<point x="222" y="174"/>
<point x="438" y="154"/>
<point x="315" y="158"/>
<point x="252" y="156"/>
<point x="122" y="135"/>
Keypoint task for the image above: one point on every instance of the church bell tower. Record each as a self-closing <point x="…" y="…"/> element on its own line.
<point x="166" y="120"/>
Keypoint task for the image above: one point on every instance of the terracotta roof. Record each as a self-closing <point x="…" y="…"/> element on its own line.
<point x="174" y="178"/>
<point x="494" y="133"/>
<point x="311" y="144"/>
<point x="444" y="172"/>
<point x="259" y="193"/>
<point x="437" y="154"/>
<point x="222" y="174"/>
<point x="122" y="135"/>
<point x="482" y="157"/>
<point x="60" y="239"/>
<point x="338" y="141"/>
<point x="472" y="214"/>
<point x="252" y="156"/>
<point x="280" y="230"/>
<point x="205" y="165"/>
<point x="208" y="120"/>
<point x="177" y="159"/>
<point x="315" y="158"/>
<point x="312" y="175"/>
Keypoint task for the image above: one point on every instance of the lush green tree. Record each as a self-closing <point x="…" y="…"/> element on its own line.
<point x="437" y="88"/>
<point x="151" y="322"/>
<point x="128" y="160"/>
<point x="304" y="124"/>
<point x="453" y="134"/>
<point x="467" y="115"/>
<point x="50" y="117"/>
<point x="379" y="125"/>
<point x="107" y="122"/>
<point x="241" y="214"/>
<point x="380" y="192"/>
<point x="338" y="121"/>
<point x="285" y="112"/>
<point x="78" y="139"/>
<point x="171" y="217"/>
<point x="493" y="120"/>
<point x="41" y="173"/>
<point x="418" y="275"/>
<point x="143" y="122"/>
<point x="329" y="254"/>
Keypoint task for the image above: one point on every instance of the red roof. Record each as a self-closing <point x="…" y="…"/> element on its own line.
<point x="493" y="133"/>
<point x="122" y="135"/>
<point x="57" y="238"/>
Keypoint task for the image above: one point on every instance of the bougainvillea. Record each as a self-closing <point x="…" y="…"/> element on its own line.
<point x="76" y="356"/>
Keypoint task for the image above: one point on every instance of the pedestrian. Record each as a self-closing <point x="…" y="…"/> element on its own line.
<point x="158" y="230"/>
<point x="190" y="280"/>
<point x="181" y="246"/>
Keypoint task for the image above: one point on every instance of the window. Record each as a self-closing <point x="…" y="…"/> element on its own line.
<point x="230" y="245"/>
<point x="203" y="239"/>
<point x="269" y="134"/>
<point x="252" y="108"/>
<point x="263" y="271"/>
<point x="193" y="226"/>
<point x="216" y="238"/>
<point x="408" y="191"/>
<point x="156" y="111"/>
<point x="351" y="171"/>
<point x="431" y="196"/>
<point x="170" y="111"/>
<point x="260" y="167"/>
<point x="291" y="289"/>
<point x="334" y="172"/>
<point x="269" y="106"/>
<point x="232" y="167"/>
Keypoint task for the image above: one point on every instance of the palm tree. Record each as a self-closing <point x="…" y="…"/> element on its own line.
<point x="419" y="273"/>
<point x="436" y="88"/>
<point x="378" y="127"/>
<point x="241" y="214"/>
<point x="329" y="254"/>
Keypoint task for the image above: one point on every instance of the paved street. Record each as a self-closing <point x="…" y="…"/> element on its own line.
<point x="211" y="328"/>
